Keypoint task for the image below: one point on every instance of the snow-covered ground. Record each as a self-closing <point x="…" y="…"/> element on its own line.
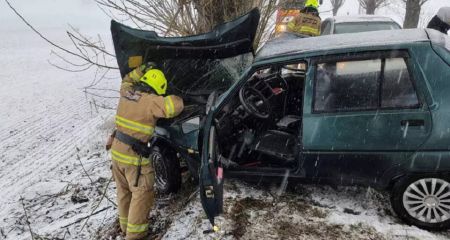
<point x="302" y="212"/>
<point x="49" y="131"/>
<point x="55" y="176"/>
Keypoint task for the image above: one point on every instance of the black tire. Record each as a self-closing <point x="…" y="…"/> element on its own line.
<point x="167" y="170"/>
<point x="397" y="201"/>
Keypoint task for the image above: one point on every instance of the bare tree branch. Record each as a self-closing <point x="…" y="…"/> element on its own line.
<point x="371" y="5"/>
<point x="86" y="217"/>
<point x="26" y="218"/>
<point x="65" y="50"/>
<point x="166" y="17"/>
<point x="95" y="208"/>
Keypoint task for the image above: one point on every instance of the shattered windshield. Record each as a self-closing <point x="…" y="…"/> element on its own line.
<point x="202" y="76"/>
<point x="352" y="27"/>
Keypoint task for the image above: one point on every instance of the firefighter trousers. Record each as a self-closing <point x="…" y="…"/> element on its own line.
<point x="134" y="203"/>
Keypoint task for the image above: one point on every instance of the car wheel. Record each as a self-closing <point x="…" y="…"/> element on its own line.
<point x="423" y="201"/>
<point x="167" y="170"/>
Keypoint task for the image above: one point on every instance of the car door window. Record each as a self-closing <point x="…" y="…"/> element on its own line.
<point x="398" y="90"/>
<point x="347" y="85"/>
<point x="367" y="84"/>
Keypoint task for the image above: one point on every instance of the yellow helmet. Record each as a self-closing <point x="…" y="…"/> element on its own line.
<point x="155" y="79"/>
<point x="312" y="3"/>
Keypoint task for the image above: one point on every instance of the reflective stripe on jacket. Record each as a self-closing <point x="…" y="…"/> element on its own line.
<point x="306" y="24"/>
<point x="134" y="126"/>
<point x="137" y="114"/>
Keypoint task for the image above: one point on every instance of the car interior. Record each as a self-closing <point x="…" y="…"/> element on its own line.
<point x="261" y="126"/>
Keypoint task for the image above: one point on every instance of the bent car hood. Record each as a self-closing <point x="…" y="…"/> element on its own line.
<point x="194" y="65"/>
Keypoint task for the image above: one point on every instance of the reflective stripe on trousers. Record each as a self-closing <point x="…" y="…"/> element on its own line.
<point x="127" y="159"/>
<point x="137" y="228"/>
<point x="123" y="221"/>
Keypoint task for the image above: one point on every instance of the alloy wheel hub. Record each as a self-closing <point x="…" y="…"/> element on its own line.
<point x="428" y="200"/>
<point x="431" y="201"/>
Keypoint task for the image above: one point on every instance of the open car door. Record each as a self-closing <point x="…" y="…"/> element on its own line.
<point x="211" y="172"/>
<point x="211" y="180"/>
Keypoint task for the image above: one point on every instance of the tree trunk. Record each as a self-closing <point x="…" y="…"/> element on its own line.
<point x="211" y="13"/>
<point x="412" y="14"/>
<point x="336" y="4"/>
<point x="370" y="7"/>
<point x="335" y="10"/>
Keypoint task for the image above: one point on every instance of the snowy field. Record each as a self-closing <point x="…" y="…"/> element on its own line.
<point x="49" y="131"/>
<point x="55" y="176"/>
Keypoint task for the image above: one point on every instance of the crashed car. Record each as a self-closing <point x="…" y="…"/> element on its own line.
<point x="195" y="66"/>
<point x="369" y="109"/>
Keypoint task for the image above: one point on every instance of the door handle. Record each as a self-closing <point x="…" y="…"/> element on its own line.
<point x="412" y="122"/>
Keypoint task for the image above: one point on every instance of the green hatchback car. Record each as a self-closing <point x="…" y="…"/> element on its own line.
<point x="370" y="109"/>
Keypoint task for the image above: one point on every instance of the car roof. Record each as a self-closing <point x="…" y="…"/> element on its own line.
<point x="360" y="18"/>
<point x="281" y="46"/>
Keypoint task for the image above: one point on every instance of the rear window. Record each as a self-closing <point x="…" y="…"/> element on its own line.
<point x="353" y="27"/>
<point x="364" y="85"/>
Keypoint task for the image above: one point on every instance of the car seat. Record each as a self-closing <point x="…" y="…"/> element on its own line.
<point x="281" y="143"/>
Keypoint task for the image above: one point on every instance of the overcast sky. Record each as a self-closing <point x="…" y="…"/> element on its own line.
<point x="45" y="14"/>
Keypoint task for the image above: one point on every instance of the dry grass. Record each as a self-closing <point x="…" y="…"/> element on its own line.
<point x="320" y="230"/>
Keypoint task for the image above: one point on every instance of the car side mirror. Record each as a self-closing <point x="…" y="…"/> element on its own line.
<point x="211" y="101"/>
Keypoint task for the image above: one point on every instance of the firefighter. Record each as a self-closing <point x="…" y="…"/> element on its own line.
<point x="141" y="104"/>
<point x="441" y="21"/>
<point x="307" y="23"/>
<point x="311" y="7"/>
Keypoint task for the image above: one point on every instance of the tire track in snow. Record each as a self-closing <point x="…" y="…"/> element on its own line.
<point x="35" y="121"/>
<point x="34" y="133"/>
<point x="48" y="148"/>
<point x="53" y="171"/>
<point x="61" y="155"/>
<point x="30" y="150"/>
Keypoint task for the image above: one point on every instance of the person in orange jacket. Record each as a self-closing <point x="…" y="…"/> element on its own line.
<point x="142" y="103"/>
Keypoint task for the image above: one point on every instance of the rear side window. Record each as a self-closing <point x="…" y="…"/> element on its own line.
<point x="397" y="89"/>
<point x="363" y="85"/>
<point x="354" y="27"/>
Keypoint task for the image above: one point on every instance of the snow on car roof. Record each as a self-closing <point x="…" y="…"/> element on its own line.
<point x="361" y="18"/>
<point x="288" y="45"/>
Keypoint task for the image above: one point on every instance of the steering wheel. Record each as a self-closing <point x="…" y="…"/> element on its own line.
<point x="254" y="102"/>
